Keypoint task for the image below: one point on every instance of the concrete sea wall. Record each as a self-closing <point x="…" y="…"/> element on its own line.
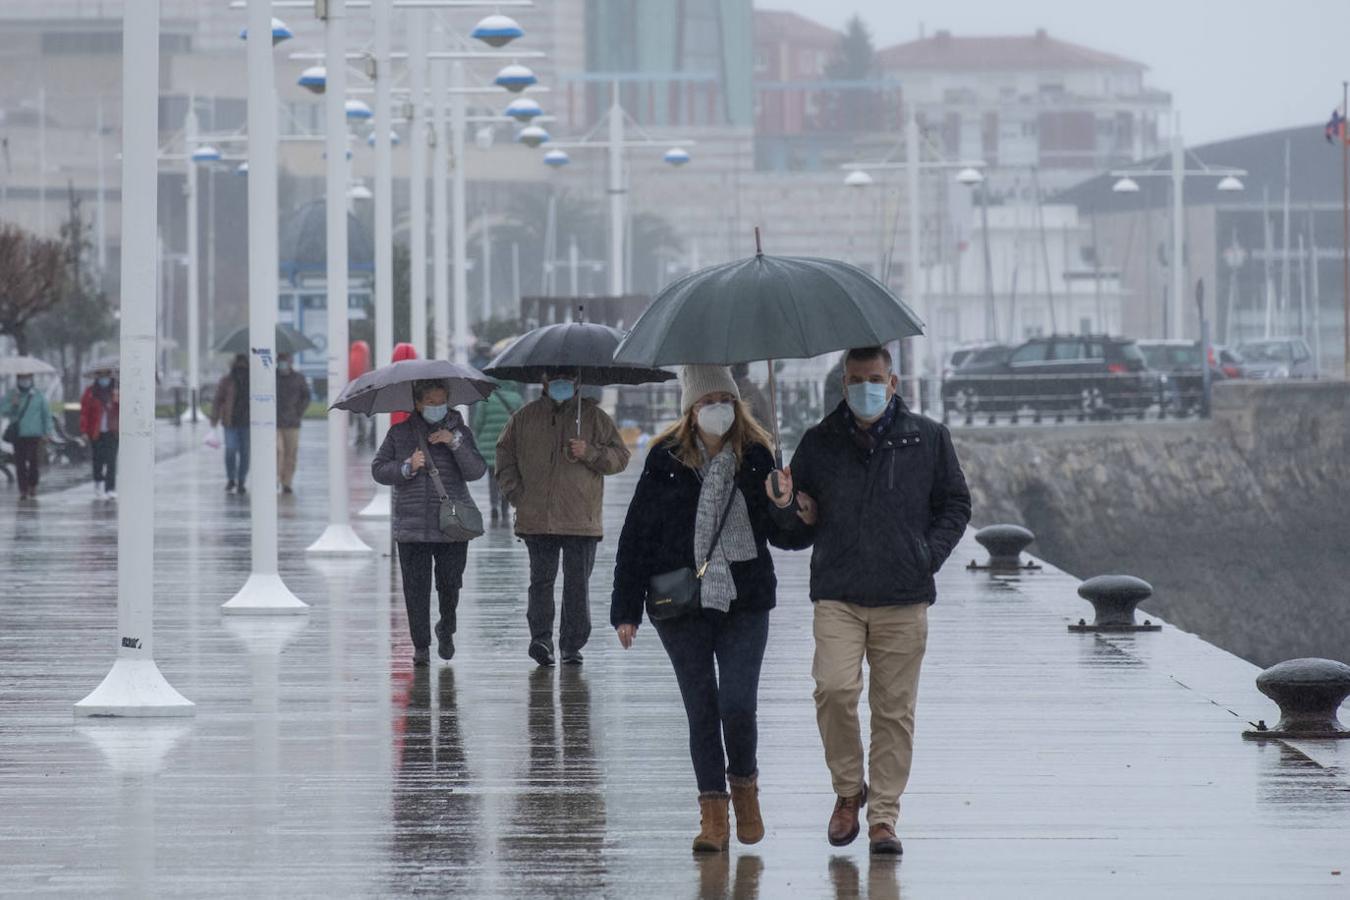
<point x="1241" y="522"/>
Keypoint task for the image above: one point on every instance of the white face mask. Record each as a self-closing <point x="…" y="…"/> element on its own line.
<point x="717" y="418"/>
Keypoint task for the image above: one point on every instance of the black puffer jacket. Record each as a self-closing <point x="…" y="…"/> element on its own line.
<point x="416" y="505"/>
<point x="887" y="521"/>
<point x="658" y="534"/>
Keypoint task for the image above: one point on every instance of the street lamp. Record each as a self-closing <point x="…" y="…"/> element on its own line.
<point x="314" y="79"/>
<point x="556" y="158"/>
<point x="515" y="78"/>
<point x="1228" y="182"/>
<point x="497" y="30"/>
<point x="858" y="179"/>
<point x="969" y="176"/>
<point x="532" y="136"/>
<point x="206" y="154"/>
<point x="523" y="109"/>
<point x="358" y="111"/>
<point x="676" y="156"/>
<point x="279" y="32"/>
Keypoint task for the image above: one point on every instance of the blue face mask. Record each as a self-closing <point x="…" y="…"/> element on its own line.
<point x="24" y="383"/>
<point x="561" y="391"/>
<point x="867" y="400"/>
<point x="104" y="382"/>
<point x="435" y="414"/>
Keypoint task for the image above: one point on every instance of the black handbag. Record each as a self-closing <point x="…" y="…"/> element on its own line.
<point x="672" y="595"/>
<point x="459" y="520"/>
<point x="12" y="429"/>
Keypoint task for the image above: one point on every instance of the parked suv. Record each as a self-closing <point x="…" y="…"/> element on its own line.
<point x="1088" y="375"/>
<point x="972" y="354"/>
<point x="1280" y="357"/>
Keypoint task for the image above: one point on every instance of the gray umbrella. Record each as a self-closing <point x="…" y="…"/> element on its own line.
<point x="103" y="364"/>
<point x="767" y="307"/>
<point x="24" y="365"/>
<point x="288" y="340"/>
<point x="389" y="388"/>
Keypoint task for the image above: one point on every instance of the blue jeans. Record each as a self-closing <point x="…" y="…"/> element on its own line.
<point x="236" y="454"/>
<point x="717" y="661"/>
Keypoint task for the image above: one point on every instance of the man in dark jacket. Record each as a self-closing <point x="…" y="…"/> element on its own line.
<point x="883" y="493"/>
<point x="292" y="401"/>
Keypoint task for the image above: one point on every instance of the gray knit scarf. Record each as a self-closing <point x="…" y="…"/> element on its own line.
<point x="737" y="543"/>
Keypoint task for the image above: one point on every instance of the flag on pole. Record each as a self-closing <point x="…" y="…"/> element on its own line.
<point x="1336" y="125"/>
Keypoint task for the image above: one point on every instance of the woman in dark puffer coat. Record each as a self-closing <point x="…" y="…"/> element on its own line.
<point x="403" y="464"/>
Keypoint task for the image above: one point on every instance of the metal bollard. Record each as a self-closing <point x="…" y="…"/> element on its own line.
<point x="1308" y="692"/>
<point x="1005" y="544"/>
<point x="1114" y="598"/>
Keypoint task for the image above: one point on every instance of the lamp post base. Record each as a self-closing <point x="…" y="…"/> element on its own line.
<point x="338" y="540"/>
<point x="264" y="595"/>
<point x="379" y="505"/>
<point x="135" y="688"/>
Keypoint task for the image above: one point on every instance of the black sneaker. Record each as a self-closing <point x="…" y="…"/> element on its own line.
<point x="422" y="656"/>
<point x="240" y="489"/>
<point x="445" y="643"/>
<point x="541" y="653"/>
<point x="572" y="659"/>
<point x="229" y="487"/>
<point x="286" y="489"/>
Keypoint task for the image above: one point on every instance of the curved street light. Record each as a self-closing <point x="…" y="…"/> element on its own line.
<point x="532" y="136"/>
<point x="358" y="111"/>
<point x="523" y="109"/>
<point x="676" y="156"/>
<point x="314" y="79"/>
<point x="280" y="32"/>
<point x="969" y="176"/>
<point x="1126" y="185"/>
<point x="1230" y="183"/>
<point x="556" y="158"/>
<point x="206" y="154"/>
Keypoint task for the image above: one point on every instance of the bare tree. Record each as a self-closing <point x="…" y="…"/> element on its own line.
<point x="31" y="274"/>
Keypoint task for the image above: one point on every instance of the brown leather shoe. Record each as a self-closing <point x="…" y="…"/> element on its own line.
<point x="844" y="822"/>
<point x="883" y="840"/>
<point x="715" y="833"/>
<point x="745" y="801"/>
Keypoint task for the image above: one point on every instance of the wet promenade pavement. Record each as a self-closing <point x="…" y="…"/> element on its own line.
<point x="320" y="764"/>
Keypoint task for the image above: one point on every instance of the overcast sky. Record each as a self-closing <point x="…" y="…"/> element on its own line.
<point x="1233" y="66"/>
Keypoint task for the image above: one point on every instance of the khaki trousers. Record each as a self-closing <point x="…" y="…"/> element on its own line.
<point x="893" y="639"/>
<point x="288" y="443"/>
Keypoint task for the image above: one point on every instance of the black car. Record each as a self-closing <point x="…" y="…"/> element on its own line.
<point x="1082" y="375"/>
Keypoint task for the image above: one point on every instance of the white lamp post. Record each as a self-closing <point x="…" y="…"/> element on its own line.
<point x="418" y="136"/>
<point x="134" y="686"/>
<point x="379" y="505"/>
<point x="264" y="593"/>
<point x="440" y="226"/>
<point x="338" y="539"/>
<point x="1229" y="180"/>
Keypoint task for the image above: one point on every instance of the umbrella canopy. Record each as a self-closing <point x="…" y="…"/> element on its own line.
<point x="103" y="364"/>
<point x="766" y="307"/>
<point x="24" y="365"/>
<point x="389" y="388"/>
<point x="584" y="346"/>
<point x="288" y="340"/>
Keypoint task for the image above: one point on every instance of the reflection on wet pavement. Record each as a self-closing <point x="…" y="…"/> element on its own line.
<point x="320" y="763"/>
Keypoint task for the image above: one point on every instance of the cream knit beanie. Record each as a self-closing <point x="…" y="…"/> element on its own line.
<point x="696" y="381"/>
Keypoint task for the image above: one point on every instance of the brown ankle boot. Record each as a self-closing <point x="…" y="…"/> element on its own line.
<point x="745" y="799"/>
<point x="715" y="833"/>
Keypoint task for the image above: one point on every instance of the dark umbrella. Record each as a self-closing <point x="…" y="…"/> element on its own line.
<point x="103" y="364"/>
<point x="766" y="307"/>
<point x="389" y="388"/>
<point x="585" y="347"/>
<point x="288" y="340"/>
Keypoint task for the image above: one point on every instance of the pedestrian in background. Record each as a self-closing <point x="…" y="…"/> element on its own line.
<point x="701" y="500"/>
<point x="751" y="395"/>
<point x="433" y="437"/>
<point x="98" y="423"/>
<point x="30" y="423"/>
<point x="489" y="420"/>
<point x="230" y="410"/>
<point x="881" y="493"/>
<point x="293" y="396"/>
<point x="553" y="473"/>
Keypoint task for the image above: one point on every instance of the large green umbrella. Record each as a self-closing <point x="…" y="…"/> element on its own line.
<point x="766" y="308"/>
<point x="288" y="340"/>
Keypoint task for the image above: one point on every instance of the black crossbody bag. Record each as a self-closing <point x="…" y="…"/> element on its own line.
<point x="672" y="595"/>
<point x="12" y="429"/>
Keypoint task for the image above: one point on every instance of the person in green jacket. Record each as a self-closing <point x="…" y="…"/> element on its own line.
<point x="489" y="419"/>
<point x="31" y="417"/>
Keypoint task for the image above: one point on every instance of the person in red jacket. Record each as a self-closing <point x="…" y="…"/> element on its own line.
<point x="98" y="423"/>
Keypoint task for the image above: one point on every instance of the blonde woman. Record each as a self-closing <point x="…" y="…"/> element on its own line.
<point x="702" y="498"/>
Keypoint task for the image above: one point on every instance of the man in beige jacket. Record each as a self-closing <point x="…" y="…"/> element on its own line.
<point x="552" y="473"/>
